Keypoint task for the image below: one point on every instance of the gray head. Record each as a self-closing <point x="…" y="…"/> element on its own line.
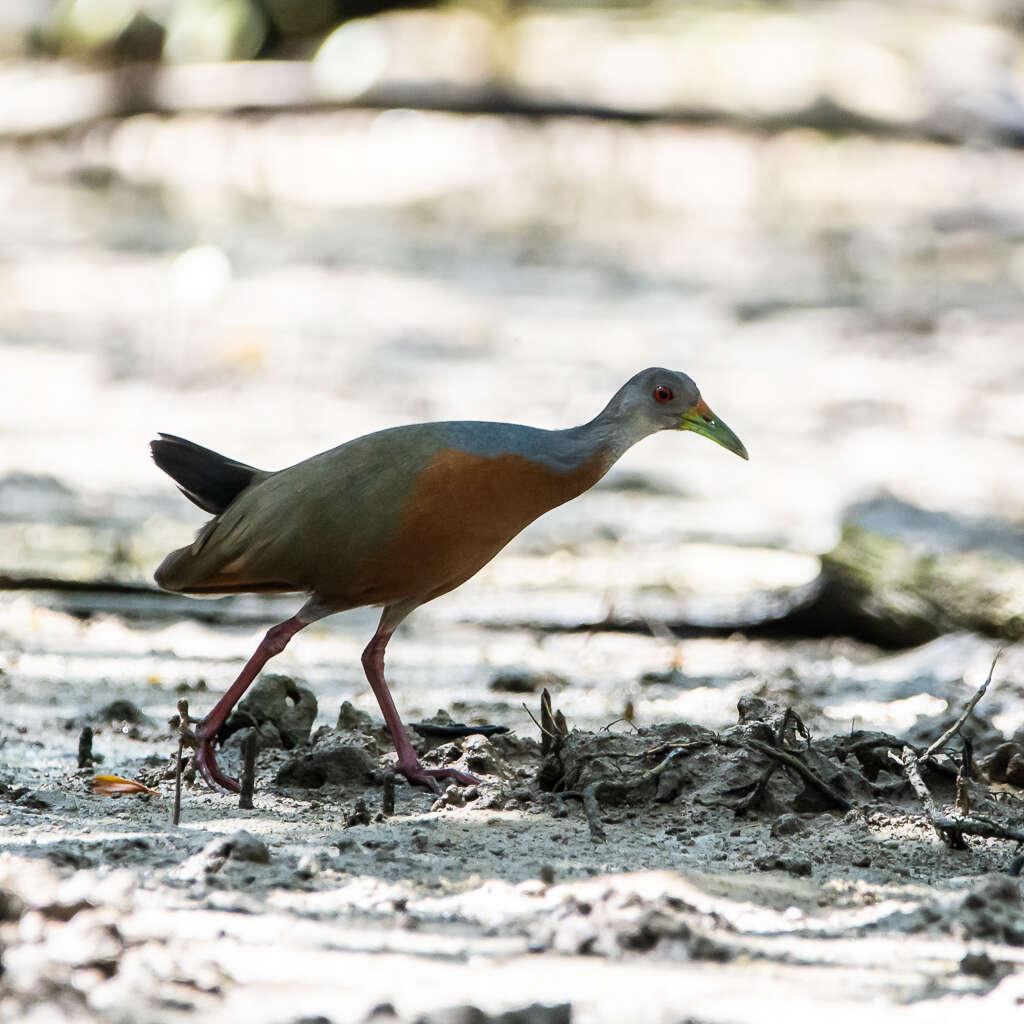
<point x="659" y="399"/>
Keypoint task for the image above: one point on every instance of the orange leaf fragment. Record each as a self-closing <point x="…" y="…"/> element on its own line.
<point x="114" y="785"/>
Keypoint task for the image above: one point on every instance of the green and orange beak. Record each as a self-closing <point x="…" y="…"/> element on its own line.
<point x="701" y="420"/>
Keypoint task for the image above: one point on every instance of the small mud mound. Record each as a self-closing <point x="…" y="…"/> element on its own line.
<point x="281" y="712"/>
<point x="769" y="765"/>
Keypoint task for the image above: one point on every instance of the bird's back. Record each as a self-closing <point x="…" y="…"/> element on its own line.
<point x="401" y="514"/>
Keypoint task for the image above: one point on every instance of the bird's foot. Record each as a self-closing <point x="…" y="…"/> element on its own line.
<point x="201" y="741"/>
<point x="208" y="767"/>
<point x="417" y="775"/>
<point x="206" y="761"/>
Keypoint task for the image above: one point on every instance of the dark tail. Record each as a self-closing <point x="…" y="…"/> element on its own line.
<point x="210" y="480"/>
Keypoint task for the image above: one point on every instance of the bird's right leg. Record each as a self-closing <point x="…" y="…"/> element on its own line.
<point x="273" y="643"/>
<point x="373" y="665"/>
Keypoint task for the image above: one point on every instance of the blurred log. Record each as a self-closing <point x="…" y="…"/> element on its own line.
<point x="758" y="70"/>
<point x="902" y="576"/>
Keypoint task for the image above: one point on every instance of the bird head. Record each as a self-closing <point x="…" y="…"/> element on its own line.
<point x="668" y="400"/>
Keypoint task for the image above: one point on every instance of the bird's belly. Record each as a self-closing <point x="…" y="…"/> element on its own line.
<point x="462" y="511"/>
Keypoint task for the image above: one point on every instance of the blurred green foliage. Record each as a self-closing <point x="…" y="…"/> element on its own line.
<point x="189" y="30"/>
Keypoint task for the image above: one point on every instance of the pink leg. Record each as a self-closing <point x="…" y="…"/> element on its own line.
<point x="273" y="643"/>
<point x="408" y="763"/>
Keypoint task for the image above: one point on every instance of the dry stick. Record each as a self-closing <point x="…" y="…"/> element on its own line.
<point x="248" y="786"/>
<point x="592" y="809"/>
<point x="185" y="735"/>
<point x="678" y="745"/>
<point x="951" y="835"/>
<point x="791" y="716"/>
<point x="547" y="723"/>
<point x="184" y="730"/>
<point x="963" y="777"/>
<point x="978" y="827"/>
<point x="758" y="789"/>
<point x="798" y="766"/>
<point x="543" y="734"/>
<point x="757" y="792"/>
<point x="874" y="743"/>
<point x="952" y="830"/>
<point x="971" y="704"/>
<point x="561" y="726"/>
<point x="85" y="757"/>
<point x="591" y="794"/>
<point x="176" y="811"/>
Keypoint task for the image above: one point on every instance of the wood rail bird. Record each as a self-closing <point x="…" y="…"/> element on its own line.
<point x="395" y="519"/>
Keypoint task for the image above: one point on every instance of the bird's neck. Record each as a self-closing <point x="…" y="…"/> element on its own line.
<point x="608" y="436"/>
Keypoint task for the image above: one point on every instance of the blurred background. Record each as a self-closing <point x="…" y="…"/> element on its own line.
<point x="272" y="225"/>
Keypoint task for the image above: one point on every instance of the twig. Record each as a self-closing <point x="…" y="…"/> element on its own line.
<point x="681" y="745"/>
<point x="185" y="732"/>
<point x="533" y="718"/>
<point x="248" y="785"/>
<point x="971" y="704"/>
<point x="545" y="735"/>
<point x="592" y="809"/>
<point x="757" y="790"/>
<point x="950" y="833"/>
<point x="176" y="810"/>
<point x="621" y="718"/>
<point x="185" y="735"/>
<point x="910" y="763"/>
<point x="798" y="766"/>
<point x="963" y="777"/>
<point x="85" y="757"/>
<point x="791" y="716"/>
<point x="553" y="726"/>
<point x="561" y="726"/>
<point x="952" y="830"/>
<point x="591" y="793"/>
<point x="548" y="735"/>
<point x="979" y="827"/>
<point x="872" y="744"/>
<point x="647" y="776"/>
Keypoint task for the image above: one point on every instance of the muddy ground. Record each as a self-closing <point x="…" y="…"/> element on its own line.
<point x="861" y="340"/>
<point x="708" y="883"/>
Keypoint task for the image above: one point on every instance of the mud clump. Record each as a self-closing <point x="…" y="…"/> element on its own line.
<point x="242" y="847"/>
<point x="337" y="764"/>
<point x="749" y="767"/>
<point x="523" y="680"/>
<point x="1005" y="764"/>
<point x="120" y="712"/>
<point x="617" y="923"/>
<point x="281" y="711"/>
<point x="992" y="911"/>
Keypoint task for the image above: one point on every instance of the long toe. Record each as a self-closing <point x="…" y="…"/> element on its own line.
<point x="429" y="777"/>
<point x="210" y="770"/>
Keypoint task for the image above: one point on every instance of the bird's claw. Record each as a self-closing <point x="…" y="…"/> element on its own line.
<point x="200" y="740"/>
<point x="208" y="767"/>
<point x="417" y="775"/>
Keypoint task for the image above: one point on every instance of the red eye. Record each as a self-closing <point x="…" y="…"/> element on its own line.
<point x="662" y="393"/>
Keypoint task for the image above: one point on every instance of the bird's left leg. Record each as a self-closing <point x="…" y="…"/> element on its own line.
<point x="373" y="665"/>
<point x="274" y="642"/>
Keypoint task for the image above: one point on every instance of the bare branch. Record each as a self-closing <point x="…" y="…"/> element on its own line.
<point x="959" y="723"/>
